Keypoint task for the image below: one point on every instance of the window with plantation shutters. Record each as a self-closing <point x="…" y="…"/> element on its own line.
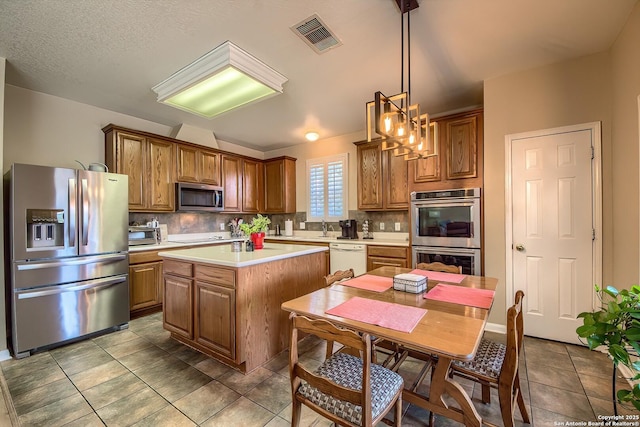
<point x="327" y="188"/>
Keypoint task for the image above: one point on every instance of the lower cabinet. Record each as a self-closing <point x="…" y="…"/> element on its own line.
<point x="200" y="306"/>
<point x="379" y="256"/>
<point x="178" y="312"/>
<point x="215" y="309"/>
<point x="145" y="283"/>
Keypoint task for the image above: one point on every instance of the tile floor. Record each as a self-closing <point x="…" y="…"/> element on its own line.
<point x="141" y="377"/>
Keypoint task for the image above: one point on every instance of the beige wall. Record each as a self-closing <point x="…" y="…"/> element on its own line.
<point x="625" y="70"/>
<point x="602" y="87"/>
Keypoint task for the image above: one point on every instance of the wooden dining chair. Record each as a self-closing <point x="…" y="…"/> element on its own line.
<point x="348" y="390"/>
<point x="438" y="266"/>
<point x="496" y="364"/>
<point x="336" y="277"/>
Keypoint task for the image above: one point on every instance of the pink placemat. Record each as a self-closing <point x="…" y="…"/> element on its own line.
<point x="474" y="297"/>
<point x="370" y="282"/>
<point x="388" y="315"/>
<point x="440" y="276"/>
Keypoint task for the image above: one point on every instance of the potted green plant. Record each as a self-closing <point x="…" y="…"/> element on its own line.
<point x="617" y="327"/>
<point x="255" y="230"/>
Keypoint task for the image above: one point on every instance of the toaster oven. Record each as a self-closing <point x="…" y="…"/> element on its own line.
<point x="142" y="236"/>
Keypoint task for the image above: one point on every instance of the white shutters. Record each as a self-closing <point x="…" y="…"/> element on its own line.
<point x="327" y="188"/>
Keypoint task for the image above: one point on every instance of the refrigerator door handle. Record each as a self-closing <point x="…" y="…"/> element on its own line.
<point x="93" y="284"/>
<point x="85" y="212"/>
<point x="80" y="261"/>
<point x="72" y="212"/>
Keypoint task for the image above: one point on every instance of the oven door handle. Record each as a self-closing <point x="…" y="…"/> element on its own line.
<point x="435" y="204"/>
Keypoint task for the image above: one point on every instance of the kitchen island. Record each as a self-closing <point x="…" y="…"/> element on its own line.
<point x="227" y="304"/>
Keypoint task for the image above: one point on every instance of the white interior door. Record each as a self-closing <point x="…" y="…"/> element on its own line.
<point x="553" y="227"/>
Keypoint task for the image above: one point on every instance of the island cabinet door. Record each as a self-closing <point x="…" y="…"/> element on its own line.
<point x="215" y="308"/>
<point x="178" y="305"/>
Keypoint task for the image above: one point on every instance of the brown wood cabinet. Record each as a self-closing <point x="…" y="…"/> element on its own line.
<point x="178" y="295"/>
<point x="145" y="286"/>
<point x="197" y="165"/>
<point x="233" y="314"/>
<point x="379" y="256"/>
<point x="382" y="179"/>
<point x="148" y="162"/>
<point x="231" y="167"/>
<point x="280" y="185"/>
<point x="252" y="186"/>
<point x="460" y="160"/>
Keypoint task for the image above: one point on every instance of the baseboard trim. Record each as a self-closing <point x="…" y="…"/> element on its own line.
<point x="494" y="327"/>
<point x="4" y="355"/>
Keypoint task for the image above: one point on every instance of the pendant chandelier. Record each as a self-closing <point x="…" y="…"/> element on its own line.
<point x="396" y="121"/>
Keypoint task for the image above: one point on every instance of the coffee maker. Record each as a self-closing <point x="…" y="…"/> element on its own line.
<point x="349" y="229"/>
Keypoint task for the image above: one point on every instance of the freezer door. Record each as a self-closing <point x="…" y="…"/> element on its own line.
<point x="33" y="274"/>
<point x="103" y="212"/>
<point x="42" y="212"/>
<point x="54" y="314"/>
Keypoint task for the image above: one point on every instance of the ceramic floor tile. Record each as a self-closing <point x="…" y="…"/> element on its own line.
<point x="243" y="383"/>
<point x="166" y="417"/>
<point x="560" y="401"/>
<point x="14" y="368"/>
<point x="600" y="387"/>
<point x="44" y="395"/>
<point x="189" y="355"/>
<point x="145" y="357"/>
<point x="206" y="401"/>
<point x="560" y="378"/>
<point x="597" y="365"/>
<point x="90" y="420"/>
<point x="542" y="418"/>
<point x="212" y="367"/>
<point x="133" y="408"/>
<point x="31" y="379"/>
<point x="241" y="412"/>
<point x="125" y="348"/>
<point x="537" y="356"/>
<point x="146" y="321"/>
<point x="75" y="362"/>
<point x="113" y="390"/>
<point x="181" y="383"/>
<point x="273" y="394"/>
<point x="115" y="338"/>
<point x="57" y="413"/>
<point x="94" y="376"/>
<point x="545" y="345"/>
<point x="307" y="418"/>
<point x="278" y="422"/>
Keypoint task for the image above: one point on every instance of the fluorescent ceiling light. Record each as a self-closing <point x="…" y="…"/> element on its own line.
<point x="222" y="80"/>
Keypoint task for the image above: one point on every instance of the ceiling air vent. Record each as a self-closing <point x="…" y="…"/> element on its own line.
<point x="316" y="34"/>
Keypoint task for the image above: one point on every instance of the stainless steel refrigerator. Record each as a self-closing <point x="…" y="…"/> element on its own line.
<point x="69" y="254"/>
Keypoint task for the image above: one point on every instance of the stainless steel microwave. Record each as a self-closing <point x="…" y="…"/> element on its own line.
<point x="199" y="197"/>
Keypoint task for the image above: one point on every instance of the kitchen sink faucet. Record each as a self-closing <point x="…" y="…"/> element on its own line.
<point x="324" y="229"/>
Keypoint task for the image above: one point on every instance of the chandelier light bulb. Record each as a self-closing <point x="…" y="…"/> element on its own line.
<point x="388" y="123"/>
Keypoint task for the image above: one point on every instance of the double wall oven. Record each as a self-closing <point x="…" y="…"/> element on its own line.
<point x="446" y="227"/>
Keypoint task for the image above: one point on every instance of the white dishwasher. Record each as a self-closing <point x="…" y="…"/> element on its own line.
<point x="343" y="256"/>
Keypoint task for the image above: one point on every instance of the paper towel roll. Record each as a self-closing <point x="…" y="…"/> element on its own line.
<point x="288" y="228"/>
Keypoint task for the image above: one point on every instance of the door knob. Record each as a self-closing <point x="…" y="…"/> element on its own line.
<point x="520" y="248"/>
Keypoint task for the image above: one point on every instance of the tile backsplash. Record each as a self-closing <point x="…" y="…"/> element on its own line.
<point x="206" y="222"/>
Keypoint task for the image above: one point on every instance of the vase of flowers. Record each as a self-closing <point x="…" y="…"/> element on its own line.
<point x="256" y="229"/>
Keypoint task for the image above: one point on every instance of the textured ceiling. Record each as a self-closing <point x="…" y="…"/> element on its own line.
<point x="110" y="53"/>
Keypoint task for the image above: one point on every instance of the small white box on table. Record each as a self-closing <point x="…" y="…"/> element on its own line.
<point x="408" y="282"/>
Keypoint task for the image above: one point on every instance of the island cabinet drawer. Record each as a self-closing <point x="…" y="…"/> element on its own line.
<point x="217" y="275"/>
<point x="387" y="251"/>
<point x="178" y="268"/>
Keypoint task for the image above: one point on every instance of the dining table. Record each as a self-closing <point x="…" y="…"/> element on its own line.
<point x="445" y="329"/>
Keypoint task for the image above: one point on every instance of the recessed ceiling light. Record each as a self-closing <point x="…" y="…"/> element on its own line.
<point x="222" y="80"/>
<point x="312" y="136"/>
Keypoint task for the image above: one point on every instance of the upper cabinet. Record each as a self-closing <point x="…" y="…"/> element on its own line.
<point x="155" y="163"/>
<point x="252" y="186"/>
<point x="382" y="179"/>
<point x="280" y="185"/>
<point x="459" y="163"/>
<point x="231" y="167"/>
<point x="149" y="163"/>
<point x="197" y="165"/>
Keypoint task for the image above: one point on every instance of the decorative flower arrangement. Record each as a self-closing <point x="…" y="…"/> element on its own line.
<point x="257" y="224"/>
